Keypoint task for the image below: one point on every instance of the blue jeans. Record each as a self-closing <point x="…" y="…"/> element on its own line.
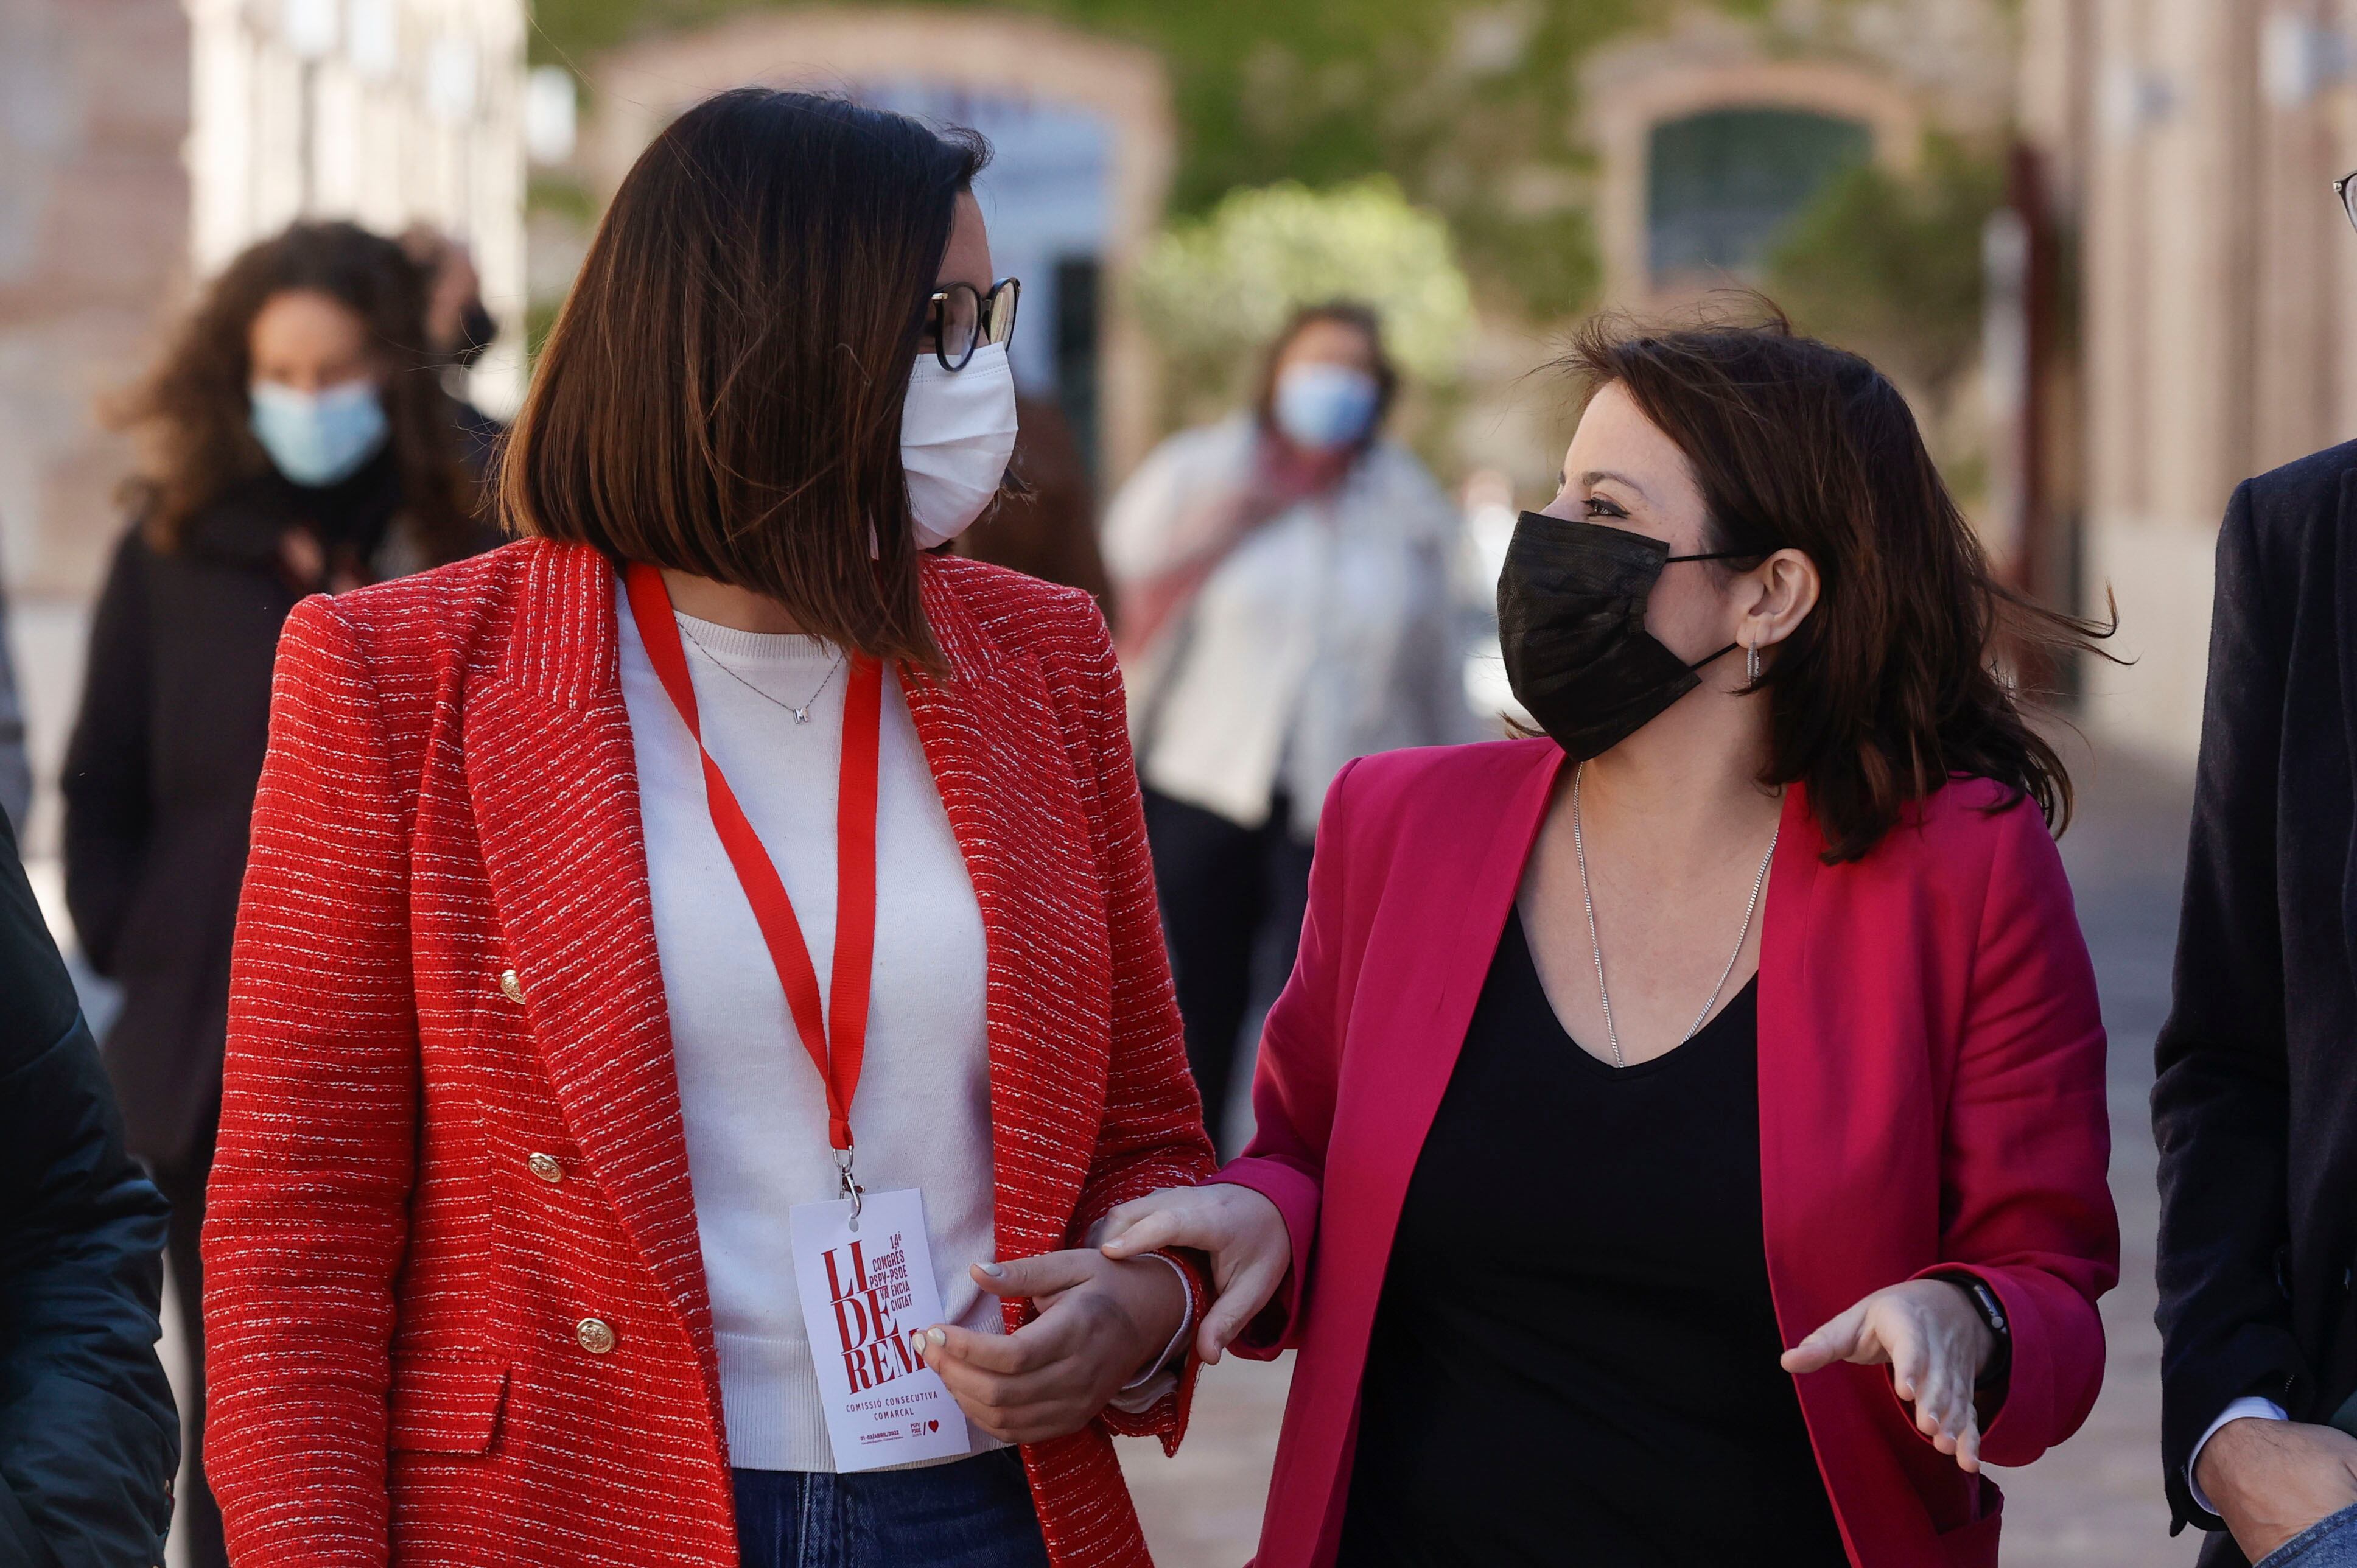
<point x="2330" y="1542"/>
<point x="974" y="1513"/>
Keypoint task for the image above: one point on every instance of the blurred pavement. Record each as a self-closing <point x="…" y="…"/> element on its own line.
<point x="2095" y="1502"/>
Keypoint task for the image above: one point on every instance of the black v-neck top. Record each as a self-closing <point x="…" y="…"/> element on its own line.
<point x="1573" y="1360"/>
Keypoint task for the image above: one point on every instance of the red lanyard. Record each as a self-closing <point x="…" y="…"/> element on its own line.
<point x="837" y="1059"/>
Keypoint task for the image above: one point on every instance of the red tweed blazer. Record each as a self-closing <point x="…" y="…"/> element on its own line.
<point x="393" y="1296"/>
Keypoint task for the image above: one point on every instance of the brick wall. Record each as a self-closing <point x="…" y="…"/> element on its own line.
<point x="93" y="244"/>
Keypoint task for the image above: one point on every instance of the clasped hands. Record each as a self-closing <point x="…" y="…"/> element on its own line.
<point x="1105" y="1311"/>
<point x="1100" y="1322"/>
<point x="1925" y="1331"/>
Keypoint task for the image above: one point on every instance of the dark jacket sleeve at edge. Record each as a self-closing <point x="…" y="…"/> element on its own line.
<point x="89" y="1438"/>
<point x="2219" y="1098"/>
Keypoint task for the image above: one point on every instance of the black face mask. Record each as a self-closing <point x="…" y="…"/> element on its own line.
<point x="1571" y="623"/>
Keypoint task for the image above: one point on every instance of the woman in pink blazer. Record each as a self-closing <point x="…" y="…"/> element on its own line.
<point x="1683" y="1138"/>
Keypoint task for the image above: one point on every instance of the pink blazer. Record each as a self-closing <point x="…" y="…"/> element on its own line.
<point x="1931" y="1096"/>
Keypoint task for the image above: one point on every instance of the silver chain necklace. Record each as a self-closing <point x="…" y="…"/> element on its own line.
<point x="802" y="714"/>
<point x="1587" y="897"/>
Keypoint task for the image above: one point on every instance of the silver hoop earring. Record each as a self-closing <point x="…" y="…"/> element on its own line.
<point x="1752" y="665"/>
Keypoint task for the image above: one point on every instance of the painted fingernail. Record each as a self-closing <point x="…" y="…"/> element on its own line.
<point x="940" y="1336"/>
<point x="993" y="1270"/>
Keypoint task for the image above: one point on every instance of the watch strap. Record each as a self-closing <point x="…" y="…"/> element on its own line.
<point x="1992" y="1312"/>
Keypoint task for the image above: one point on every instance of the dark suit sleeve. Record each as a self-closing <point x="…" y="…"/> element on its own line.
<point x="105" y="778"/>
<point x="2219" y="1100"/>
<point x="89" y="1440"/>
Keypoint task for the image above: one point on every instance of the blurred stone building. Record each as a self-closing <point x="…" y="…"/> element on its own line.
<point x="2191" y="145"/>
<point x="1704" y="135"/>
<point x="144" y="142"/>
<point x="2173" y="275"/>
<point x="1714" y="133"/>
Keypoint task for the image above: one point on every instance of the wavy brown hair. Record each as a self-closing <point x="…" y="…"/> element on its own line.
<point x="1893" y="684"/>
<point x="722" y="392"/>
<point x="194" y="412"/>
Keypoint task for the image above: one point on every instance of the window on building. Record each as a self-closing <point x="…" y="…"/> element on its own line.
<point x="1723" y="183"/>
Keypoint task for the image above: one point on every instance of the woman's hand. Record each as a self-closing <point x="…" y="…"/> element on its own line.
<point x="1936" y="1345"/>
<point x="1241" y="1230"/>
<point x="1100" y="1323"/>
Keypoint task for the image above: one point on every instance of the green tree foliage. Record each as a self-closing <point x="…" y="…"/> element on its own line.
<point x="1223" y="285"/>
<point x="1216" y="289"/>
<point x="1890" y="264"/>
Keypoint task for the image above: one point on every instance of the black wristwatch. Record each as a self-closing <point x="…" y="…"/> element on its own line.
<point x="1992" y="1312"/>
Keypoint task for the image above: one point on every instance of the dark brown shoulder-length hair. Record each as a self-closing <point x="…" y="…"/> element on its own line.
<point x="722" y="392"/>
<point x="1892" y="684"/>
<point x="193" y="410"/>
<point x="1349" y="313"/>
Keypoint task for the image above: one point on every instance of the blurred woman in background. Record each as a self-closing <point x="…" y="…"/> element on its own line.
<point x="1286" y="606"/>
<point x="298" y="441"/>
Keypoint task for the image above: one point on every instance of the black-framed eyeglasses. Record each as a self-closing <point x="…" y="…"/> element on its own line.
<point x="960" y="319"/>
<point x="2345" y="188"/>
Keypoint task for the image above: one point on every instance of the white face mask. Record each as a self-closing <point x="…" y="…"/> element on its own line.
<point x="957" y="431"/>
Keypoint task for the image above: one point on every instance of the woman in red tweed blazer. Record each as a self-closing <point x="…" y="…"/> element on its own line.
<point x="458" y="1265"/>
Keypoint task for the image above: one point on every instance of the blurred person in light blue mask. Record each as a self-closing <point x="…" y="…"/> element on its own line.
<point x="297" y="441"/>
<point x="318" y="438"/>
<point x="1286" y="606"/>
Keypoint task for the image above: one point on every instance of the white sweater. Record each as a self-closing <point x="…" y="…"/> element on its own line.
<point x="754" y="1107"/>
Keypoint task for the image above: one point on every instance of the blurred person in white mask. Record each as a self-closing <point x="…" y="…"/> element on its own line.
<point x="1283" y="578"/>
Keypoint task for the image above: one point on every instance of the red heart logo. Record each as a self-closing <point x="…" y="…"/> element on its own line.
<point x="932" y="1426"/>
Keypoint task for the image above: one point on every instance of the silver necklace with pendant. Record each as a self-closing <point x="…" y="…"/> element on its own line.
<point x="801" y="714"/>
<point x="1595" y="947"/>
